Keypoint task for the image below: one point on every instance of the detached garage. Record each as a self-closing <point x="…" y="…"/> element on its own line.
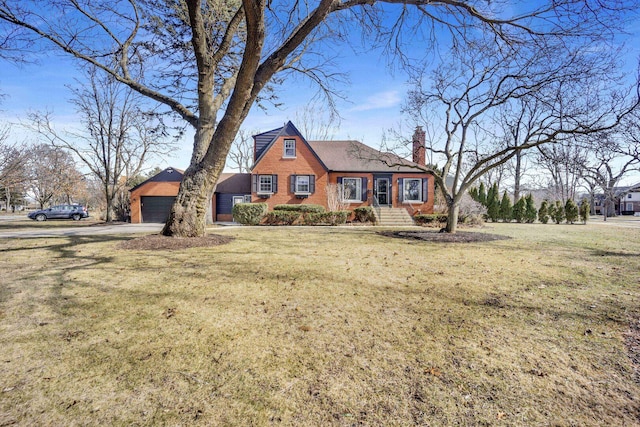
<point x="151" y="200"/>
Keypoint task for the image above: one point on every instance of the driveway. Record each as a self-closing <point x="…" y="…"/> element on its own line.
<point x="94" y="230"/>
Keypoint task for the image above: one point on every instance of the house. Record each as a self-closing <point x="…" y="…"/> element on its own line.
<point x="627" y="201"/>
<point x="288" y="169"/>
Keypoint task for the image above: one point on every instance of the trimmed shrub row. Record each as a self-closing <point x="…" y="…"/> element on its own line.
<point x="256" y="213"/>
<point x="300" y="208"/>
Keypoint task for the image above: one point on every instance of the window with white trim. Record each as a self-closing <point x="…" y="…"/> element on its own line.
<point x="352" y="189"/>
<point x="289" y="148"/>
<point x="302" y="184"/>
<point x="265" y="184"/>
<point x="412" y="190"/>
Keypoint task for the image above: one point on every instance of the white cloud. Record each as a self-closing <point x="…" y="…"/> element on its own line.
<point x="380" y="100"/>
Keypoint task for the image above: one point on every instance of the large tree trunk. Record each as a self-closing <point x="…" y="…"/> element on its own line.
<point x="452" y="217"/>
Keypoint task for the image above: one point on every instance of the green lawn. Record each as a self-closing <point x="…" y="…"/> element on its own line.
<point x="322" y="326"/>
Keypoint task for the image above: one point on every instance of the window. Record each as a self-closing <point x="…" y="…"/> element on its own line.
<point x="412" y="190"/>
<point x="265" y="184"/>
<point x="289" y="148"/>
<point x="352" y="189"/>
<point x="247" y="198"/>
<point x="302" y="184"/>
<point x="629" y="206"/>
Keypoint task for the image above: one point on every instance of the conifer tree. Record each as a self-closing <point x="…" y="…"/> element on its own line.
<point x="493" y="203"/>
<point x="519" y="210"/>
<point x="585" y="208"/>
<point x="543" y="213"/>
<point x="558" y="212"/>
<point x="571" y="211"/>
<point x="482" y="195"/>
<point x="530" y="209"/>
<point x="505" y="208"/>
<point x="473" y="193"/>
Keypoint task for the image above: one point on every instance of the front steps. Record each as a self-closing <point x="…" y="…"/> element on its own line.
<point x="393" y="217"/>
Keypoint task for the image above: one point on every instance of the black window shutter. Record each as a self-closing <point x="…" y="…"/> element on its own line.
<point x="364" y="189"/>
<point x="274" y="183"/>
<point x="400" y="189"/>
<point x="339" y="180"/>
<point x="312" y="183"/>
<point x="254" y="183"/>
<point x="425" y="189"/>
<point x="292" y="183"/>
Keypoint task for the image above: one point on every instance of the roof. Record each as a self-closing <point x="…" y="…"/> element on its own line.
<point x="234" y="183"/>
<point x="354" y="156"/>
<point x="264" y="141"/>
<point x="168" y="175"/>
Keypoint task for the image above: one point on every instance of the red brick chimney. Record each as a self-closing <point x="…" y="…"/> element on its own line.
<point x="419" y="152"/>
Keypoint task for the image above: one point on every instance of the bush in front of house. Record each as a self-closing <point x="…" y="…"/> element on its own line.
<point x="326" y="218"/>
<point x="364" y="214"/>
<point x="300" y="208"/>
<point x="249" y="213"/>
<point x="430" y="219"/>
<point x="281" y="217"/>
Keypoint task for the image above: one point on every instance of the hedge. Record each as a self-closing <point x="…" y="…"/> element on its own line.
<point x="364" y="214"/>
<point x="281" y="217"/>
<point x="327" y="218"/>
<point x="249" y="213"/>
<point x="300" y="208"/>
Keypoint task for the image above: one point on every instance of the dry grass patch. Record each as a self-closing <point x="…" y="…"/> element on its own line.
<point x="322" y="326"/>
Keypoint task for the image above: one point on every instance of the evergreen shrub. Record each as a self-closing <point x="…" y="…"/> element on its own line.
<point x="249" y="213"/>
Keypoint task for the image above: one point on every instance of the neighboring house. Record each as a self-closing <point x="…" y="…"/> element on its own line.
<point x="288" y="169"/>
<point x="627" y="201"/>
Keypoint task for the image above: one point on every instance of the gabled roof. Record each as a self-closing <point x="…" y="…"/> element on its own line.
<point x="234" y="183"/>
<point x="354" y="156"/>
<point x="168" y="175"/>
<point x="264" y="141"/>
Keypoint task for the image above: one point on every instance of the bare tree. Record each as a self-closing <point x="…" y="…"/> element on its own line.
<point x="316" y="122"/>
<point x="563" y="160"/>
<point x="53" y="175"/>
<point x="466" y="95"/>
<point x="117" y="136"/>
<point x="206" y="57"/>
<point x="13" y="175"/>
<point x="241" y="153"/>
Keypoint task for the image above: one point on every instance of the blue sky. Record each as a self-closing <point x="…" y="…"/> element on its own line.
<point x="372" y="104"/>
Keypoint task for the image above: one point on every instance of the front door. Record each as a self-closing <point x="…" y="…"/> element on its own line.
<point x="382" y="191"/>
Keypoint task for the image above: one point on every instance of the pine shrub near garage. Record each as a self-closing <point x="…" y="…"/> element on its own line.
<point x="249" y="213"/>
<point x="364" y="214"/>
